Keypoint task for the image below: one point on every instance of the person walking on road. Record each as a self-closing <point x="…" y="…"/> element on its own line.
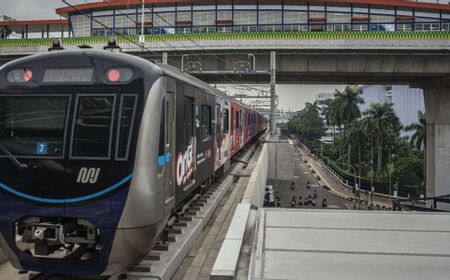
<point x="294" y="202"/>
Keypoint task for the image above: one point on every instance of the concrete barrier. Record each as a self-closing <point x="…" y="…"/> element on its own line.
<point x="3" y="257"/>
<point x="227" y="260"/>
<point x="226" y="263"/>
<point x="254" y="193"/>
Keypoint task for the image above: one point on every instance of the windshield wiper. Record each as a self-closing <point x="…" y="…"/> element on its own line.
<point x="21" y="166"/>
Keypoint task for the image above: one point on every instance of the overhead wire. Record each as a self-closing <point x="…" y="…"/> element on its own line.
<point x="114" y="32"/>
<point x="171" y="25"/>
<point x="136" y="22"/>
<point x="198" y="45"/>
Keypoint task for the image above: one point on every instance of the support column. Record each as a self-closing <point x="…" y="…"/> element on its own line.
<point x="164" y="58"/>
<point x="272" y="91"/>
<point x="437" y="109"/>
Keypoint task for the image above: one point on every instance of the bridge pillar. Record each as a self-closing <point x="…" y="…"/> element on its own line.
<point x="165" y="58"/>
<point x="437" y="109"/>
<point x="273" y="74"/>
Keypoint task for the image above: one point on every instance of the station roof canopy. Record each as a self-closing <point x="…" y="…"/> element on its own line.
<point x="53" y="25"/>
<point x="109" y="4"/>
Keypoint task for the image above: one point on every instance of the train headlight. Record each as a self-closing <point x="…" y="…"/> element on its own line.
<point x="113" y="75"/>
<point x="119" y="75"/>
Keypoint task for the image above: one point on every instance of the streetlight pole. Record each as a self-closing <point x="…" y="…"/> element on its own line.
<point x="389" y="171"/>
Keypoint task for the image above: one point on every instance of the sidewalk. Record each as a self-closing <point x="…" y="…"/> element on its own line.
<point x="336" y="186"/>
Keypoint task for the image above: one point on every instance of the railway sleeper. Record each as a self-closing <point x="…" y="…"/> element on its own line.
<point x="175" y="231"/>
<point x="172" y="238"/>
<point x="199" y="204"/>
<point x="185" y="218"/>
<point x="190" y="213"/>
<point x="181" y="224"/>
<point x="161" y="247"/>
<point x="153" y="256"/>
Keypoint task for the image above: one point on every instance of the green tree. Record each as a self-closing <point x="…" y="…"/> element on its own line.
<point x="409" y="165"/>
<point x="347" y="110"/>
<point x="418" y="139"/>
<point x="383" y="126"/>
<point x="358" y="137"/>
<point x="346" y="104"/>
<point x="308" y="124"/>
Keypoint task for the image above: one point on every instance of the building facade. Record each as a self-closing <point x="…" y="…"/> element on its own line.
<point x="407" y="101"/>
<point x="253" y="16"/>
<point x="172" y="16"/>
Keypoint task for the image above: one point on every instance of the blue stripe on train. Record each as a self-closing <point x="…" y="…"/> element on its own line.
<point x="69" y="200"/>
<point x="163" y="159"/>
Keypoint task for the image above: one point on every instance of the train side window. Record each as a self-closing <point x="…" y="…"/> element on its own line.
<point x="92" y="128"/>
<point x="226" y="116"/>
<point x="188" y="121"/>
<point x="237" y="119"/>
<point x="126" y="121"/>
<point x="205" y="123"/>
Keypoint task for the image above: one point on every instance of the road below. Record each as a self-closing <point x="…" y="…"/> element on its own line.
<point x="287" y="165"/>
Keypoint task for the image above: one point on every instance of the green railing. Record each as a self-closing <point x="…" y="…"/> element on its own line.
<point x="238" y="36"/>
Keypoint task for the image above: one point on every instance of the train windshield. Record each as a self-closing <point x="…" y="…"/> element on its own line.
<point x="33" y="125"/>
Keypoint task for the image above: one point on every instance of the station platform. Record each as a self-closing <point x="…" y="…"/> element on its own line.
<point x="334" y="244"/>
<point x="315" y="242"/>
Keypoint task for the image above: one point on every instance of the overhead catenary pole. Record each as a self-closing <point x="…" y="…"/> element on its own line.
<point x="272" y="91"/>
<point x="164" y="58"/>
<point x="142" y="37"/>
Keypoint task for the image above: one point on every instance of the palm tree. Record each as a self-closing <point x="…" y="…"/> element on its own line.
<point x="381" y="122"/>
<point x="419" y="138"/>
<point x="331" y="115"/>
<point x="359" y="138"/>
<point x="347" y="110"/>
<point x="347" y="102"/>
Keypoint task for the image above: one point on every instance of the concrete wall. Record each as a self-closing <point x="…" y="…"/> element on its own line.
<point x="254" y="194"/>
<point x="281" y="159"/>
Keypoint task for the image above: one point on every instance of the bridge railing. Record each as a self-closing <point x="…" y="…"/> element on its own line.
<point x="367" y="35"/>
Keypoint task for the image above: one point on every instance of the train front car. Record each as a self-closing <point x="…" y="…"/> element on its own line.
<point x="72" y="135"/>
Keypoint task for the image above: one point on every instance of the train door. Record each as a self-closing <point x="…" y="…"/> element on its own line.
<point x="232" y="131"/>
<point x="169" y="146"/>
<point x="218" y="132"/>
<point x="241" y="129"/>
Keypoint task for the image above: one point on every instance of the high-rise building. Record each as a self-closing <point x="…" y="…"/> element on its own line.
<point x="407" y="101"/>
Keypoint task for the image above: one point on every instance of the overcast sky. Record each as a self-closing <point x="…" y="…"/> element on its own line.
<point x="34" y="9"/>
<point x="292" y="97"/>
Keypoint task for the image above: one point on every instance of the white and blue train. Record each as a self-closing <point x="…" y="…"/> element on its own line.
<point x="98" y="150"/>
